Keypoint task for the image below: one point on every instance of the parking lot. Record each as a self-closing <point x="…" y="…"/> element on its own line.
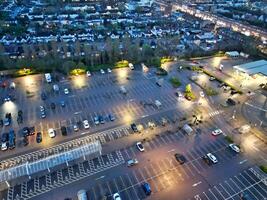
<point x="250" y="181"/>
<point x="101" y="95"/>
<point x="160" y="173"/>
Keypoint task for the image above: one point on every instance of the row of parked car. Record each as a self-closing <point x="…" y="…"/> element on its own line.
<point x="8" y="140"/>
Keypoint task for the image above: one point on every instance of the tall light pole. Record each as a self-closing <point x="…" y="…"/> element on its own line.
<point x="233" y="117"/>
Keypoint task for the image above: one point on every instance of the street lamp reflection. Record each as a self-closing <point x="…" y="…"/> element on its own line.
<point x="79" y="81"/>
<point x="122" y="75"/>
<point x="9" y="107"/>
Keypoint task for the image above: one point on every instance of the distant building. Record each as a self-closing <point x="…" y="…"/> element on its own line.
<point x="133" y="4"/>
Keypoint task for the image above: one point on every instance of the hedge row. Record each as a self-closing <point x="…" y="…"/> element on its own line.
<point x="222" y="81"/>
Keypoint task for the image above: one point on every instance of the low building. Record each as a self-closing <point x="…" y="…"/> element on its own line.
<point x="253" y="68"/>
<point x="232" y="54"/>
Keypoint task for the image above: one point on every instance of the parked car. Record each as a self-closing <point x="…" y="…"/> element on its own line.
<point x="102" y="71"/>
<point x="51" y="133"/>
<point x="39" y="137"/>
<point x="212" y="78"/>
<point x="116" y="196"/>
<point x="201" y="93"/>
<point x="96" y="120"/>
<point x="134" y="127"/>
<point x="25" y="141"/>
<point x="140" y="147"/>
<point x="43" y="96"/>
<point x="101" y="119"/>
<point x="180" y="158"/>
<point x="147" y="189"/>
<point x="32" y="130"/>
<point x="111" y="117"/>
<point x="216" y="132"/>
<point x="75" y="128"/>
<point x="66" y="91"/>
<point x="132" y="162"/>
<point x="4" y="141"/>
<point x="43" y="114"/>
<point x="109" y="70"/>
<point x="230" y="102"/>
<point x="42" y="108"/>
<point x="88" y="74"/>
<point x="63" y="130"/>
<point x="26" y="131"/>
<point x="210" y="158"/>
<point x="62" y="103"/>
<point x="234" y="148"/>
<point x="86" y="124"/>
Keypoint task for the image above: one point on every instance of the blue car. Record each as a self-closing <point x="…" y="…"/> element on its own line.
<point x="146" y="188"/>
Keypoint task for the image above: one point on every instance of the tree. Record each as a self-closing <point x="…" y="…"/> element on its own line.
<point x="188" y="88"/>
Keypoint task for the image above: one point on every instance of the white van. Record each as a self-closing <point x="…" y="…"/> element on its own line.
<point x="131" y="66"/>
<point x="82" y="195"/>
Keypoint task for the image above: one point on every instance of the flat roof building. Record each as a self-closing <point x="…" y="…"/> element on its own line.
<point x="251" y="68"/>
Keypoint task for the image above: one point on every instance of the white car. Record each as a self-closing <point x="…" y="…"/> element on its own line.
<point x="102" y="71"/>
<point x="86" y="124"/>
<point x="212" y="158"/>
<point x="201" y="93"/>
<point x="42" y="108"/>
<point x="4" y="146"/>
<point x="75" y="128"/>
<point x="216" y="132"/>
<point x="234" y="147"/>
<point x="131" y="66"/>
<point x="212" y="78"/>
<point x="109" y="70"/>
<point x="88" y="74"/>
<point x="51" y="133"/>
<point x="132" y="162"/>
<point x="140" y="147"/>
<point x="116" y="196"/>
<point x="66" y="91"/>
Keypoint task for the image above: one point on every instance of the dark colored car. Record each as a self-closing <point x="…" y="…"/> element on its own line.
<point x="25" y="141"/>
<point x="134" y="127"/>
<point x="101" y="120"/>
<point x="62" y="103"/>
<point x="20" y="113"/>
<point x="25" y="131"/>
<point x="146" y="188"/>
<point x="4" y="137"/>
<point x="111" y="117"/>
<point x="43" y="96"/>
<point x="180" y="158"/>
<point x="231" y="102"/>
<point x="31" y="130"/>
<point x="63" y="130"/>
<point x="53" y="105"/>
<point x="8" y="116"/>
<point x="39" y="137"/>
<point x="1" y="123"/>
